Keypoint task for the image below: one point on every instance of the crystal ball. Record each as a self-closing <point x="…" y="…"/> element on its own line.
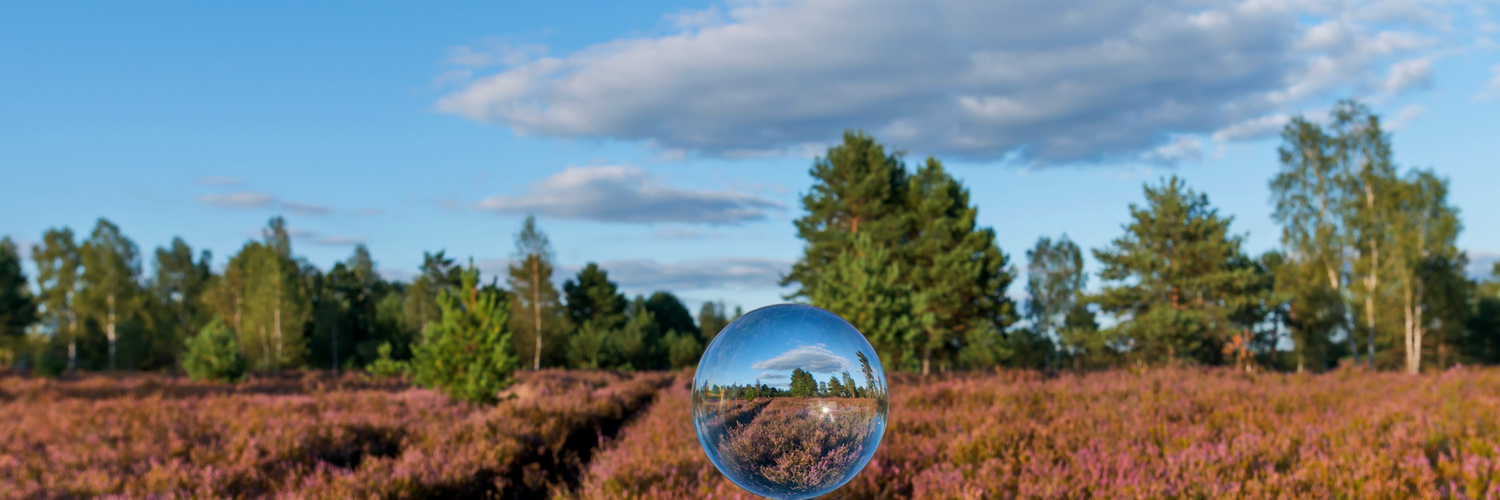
<point x="789" y="401"/>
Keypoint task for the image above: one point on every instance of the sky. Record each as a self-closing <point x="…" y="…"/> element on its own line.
<point x="670" y="141"/>
<point x="769" y="344"/>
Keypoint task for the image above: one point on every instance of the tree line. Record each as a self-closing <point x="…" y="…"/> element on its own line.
<point x="267" y="309"/>
<point x="1368" y="270"/>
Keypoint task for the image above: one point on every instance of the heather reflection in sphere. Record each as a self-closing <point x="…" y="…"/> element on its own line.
<point x="789" y="401"/>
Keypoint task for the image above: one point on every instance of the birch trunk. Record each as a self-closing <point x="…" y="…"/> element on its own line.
<point x="109" y="329"/>
<point x="536" y="306"/>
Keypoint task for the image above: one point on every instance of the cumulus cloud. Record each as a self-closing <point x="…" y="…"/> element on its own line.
<point x="628" y="194"/>
<point x="243" y="199"/>
<point x="220" y="181"/>
<point x="813" y="358"/>
<point x="1068" y="81"/>
<point x="725" y="272"/>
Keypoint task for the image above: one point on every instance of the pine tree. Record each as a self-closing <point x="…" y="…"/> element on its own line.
<point x="110" y="294"/>
<point x="866" y="287"/>
<point x="437" y="274"/>
<point x="857" y="189"/>
<point x="17" y="307"/>
<point x="467" y="354"/>
<point x="535" y="311"/>
<point x="591" y="297"/>
<point x="803" y="385"/>
<point x="957" y="275"/>
<point x="58" y="270"/>
<point x="1171" y="277"/>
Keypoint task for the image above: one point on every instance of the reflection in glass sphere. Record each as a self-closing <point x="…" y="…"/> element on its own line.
<point x="789" y="401"/>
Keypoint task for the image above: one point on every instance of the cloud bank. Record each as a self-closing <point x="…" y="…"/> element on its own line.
<point x="628" y="194"/>
<point x="1050" y="82"/>
<point x="813" y="358"/>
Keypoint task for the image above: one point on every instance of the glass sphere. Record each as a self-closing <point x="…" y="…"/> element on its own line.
<point x="789" y="401"/>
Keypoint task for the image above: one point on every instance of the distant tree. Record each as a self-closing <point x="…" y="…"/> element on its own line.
<point x="591" y="296"/>
<point x="59" y="267"/>
<point x="1054" y="281"/>
<point x="178" y="287"/>
<point x="683" y="349"/>
<point x="438" y="273"/>
<point x="467" y="354"/>
<point x="1425" y="232"/>
<point x="1088" y="346"/>
<point x="1170" y="278"/>
<point x="711" y="319"/>
<point x="834" y="388"/>
<point x="872" y="389"/>
<point x="589" y="347"/>
<point x="857" y="189"/>
<point x="1308" y="198"/>
<point x="847" y="382"/>
<point x="213" y="354"/>
<point x="18" y="309"/>
<point x="110" y="295"/>
<point x="670" y="314"/>
<point x="267" y="298"/>
<point x="636" y="343"/>
<point x="803" y="384"/>
<point x="536" y="310"/>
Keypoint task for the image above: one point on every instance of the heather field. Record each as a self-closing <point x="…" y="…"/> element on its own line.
<point x="602" y="435"/>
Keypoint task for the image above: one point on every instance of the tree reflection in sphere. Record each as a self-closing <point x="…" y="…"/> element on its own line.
<point x="789" y="401"/>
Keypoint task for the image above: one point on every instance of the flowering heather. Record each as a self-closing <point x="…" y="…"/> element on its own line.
<point x="1159" y="434"/>
<point x="314" y="436"/>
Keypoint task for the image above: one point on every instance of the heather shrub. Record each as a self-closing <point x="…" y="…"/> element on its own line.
<point x="468" y="354"/>
<point x="213" y="354"/>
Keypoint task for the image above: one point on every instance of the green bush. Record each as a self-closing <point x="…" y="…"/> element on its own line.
<point x="384" y="366"/>
<point x="213" y="354"/>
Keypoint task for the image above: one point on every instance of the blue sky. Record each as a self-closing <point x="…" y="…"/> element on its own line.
<point x="670" y="141"/>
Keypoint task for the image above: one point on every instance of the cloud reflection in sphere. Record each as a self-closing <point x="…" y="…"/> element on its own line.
<point x="789" y="401"/>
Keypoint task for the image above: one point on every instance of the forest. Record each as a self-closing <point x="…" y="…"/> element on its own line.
<point x="1368" y="273"/>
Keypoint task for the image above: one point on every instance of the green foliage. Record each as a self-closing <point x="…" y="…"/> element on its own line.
<point x="213" y="354"/>
<point x="1054" y="283"/>
<point x="683" y="349"/>
<point x="711" y="319"/>
<point x="268" y="298"/>
<point x="177" y="291"/>
<point x="592" y="297"/>
<point x="18" y="309"/>
<point x="110" y="298"/>
<point x="670" y="313"/>
<point x="1171" y="277"/>
<point x="900" y="256"/>
<point x="803" y="384"/>
<point x="384" y="365"/>
<point x="467" y="354"/>
<point x="589" y="347"/>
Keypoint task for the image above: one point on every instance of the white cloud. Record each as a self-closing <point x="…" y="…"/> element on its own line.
<point x="1405" y="116"/>
<point x="1183" y="148"/>
<point x="337" y="241"/>
<point x="1074" y="80"/>
<point x="628" y="194"/>
<point x="243" y="199"/>
<point x="773" y="376"/>
<point x="303" y="208"/>
<point x="644" y="276"/>
<point x="252" y="199"/>
<point x="812" y="358"/>
<point x="1253" y="128"/>
<point x="1409" y="74"/>
<point x="220" y="181"/>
